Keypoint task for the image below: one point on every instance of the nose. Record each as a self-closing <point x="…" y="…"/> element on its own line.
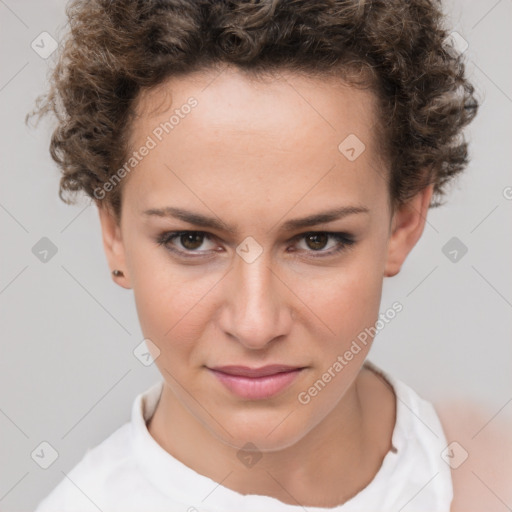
<point x="256" y="311"/>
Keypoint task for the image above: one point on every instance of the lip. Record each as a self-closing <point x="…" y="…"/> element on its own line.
<point x="256" y="383"/>
<point x="263" y="371"/>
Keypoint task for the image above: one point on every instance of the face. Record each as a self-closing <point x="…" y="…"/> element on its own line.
<point x="225" y="269"/>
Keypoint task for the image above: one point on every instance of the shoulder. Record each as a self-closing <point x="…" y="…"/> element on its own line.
<point x="82" y="488"/>
<point x="479" y="437"/>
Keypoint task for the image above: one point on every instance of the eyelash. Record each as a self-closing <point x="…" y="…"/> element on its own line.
<point x="345" y="241"/>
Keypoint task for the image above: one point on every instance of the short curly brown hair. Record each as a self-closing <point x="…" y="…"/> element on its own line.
<point x="115" y="49"/>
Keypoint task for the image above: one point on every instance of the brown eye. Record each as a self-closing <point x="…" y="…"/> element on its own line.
<point x="191" y="241"/>
<point x="320" y="244"/>
<point x="186" y="243"/>
<point x="316" y="241"/>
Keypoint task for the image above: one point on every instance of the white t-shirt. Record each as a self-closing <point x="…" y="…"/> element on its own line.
<point x="129" y="471"/>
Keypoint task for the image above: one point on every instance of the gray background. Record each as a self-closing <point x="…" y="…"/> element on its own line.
<point x="68" y="375"/>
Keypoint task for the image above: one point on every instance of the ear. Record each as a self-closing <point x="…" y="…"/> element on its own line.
<point x="113" y="244"/>
<point x="407" y="226"/>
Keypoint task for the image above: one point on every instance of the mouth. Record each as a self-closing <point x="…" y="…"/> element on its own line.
<point x="256" y="383"/>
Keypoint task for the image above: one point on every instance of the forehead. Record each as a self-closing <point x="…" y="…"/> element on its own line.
<point x="233" y="99"/>
<point x="227" y="131"/>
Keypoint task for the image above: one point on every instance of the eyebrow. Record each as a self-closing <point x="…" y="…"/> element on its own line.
<point x="204" y="221"/>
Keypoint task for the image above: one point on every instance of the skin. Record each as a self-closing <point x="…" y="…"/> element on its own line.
<point x="482" y="480"/>
<point x="256" y="153"/>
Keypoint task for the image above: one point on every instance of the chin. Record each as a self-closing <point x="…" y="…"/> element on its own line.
<point x="267" y="431"/>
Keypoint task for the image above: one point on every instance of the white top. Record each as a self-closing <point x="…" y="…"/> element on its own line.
<point x="129" y="471"/>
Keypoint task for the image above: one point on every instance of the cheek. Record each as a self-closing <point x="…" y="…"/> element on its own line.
<point x="169" y="310"/>
<point x="347" y="299"/>
<point x="349" y="305"/>
<point x="169" y="297"/>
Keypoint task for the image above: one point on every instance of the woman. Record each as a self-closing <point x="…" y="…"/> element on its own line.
<point x="259" y="168"/>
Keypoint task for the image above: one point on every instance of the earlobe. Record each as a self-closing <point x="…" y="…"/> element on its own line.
<point x="407" y="226"/>
<point x="113" y="245"/>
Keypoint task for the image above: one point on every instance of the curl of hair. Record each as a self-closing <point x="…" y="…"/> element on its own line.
<point x="115" y="49"/>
